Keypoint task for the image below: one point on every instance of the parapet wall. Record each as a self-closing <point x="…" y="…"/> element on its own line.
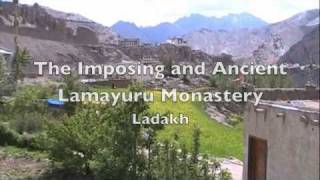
<point x="289" y="93"/>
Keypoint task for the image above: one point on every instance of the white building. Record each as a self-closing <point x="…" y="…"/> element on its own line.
<point x="282" y="140"/>
<point x="177" y="41"/>
<point x="7" y="55"/>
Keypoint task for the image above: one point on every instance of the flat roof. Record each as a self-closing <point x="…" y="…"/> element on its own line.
<point x="2" y="51"/>
<point x="307" y="105"/>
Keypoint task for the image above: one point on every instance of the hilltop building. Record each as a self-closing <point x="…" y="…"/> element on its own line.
<point x="129" y="42"/>
<point x="177" y="41"/>
<point x="7" y="55"/>
<point x="282" y="138"/>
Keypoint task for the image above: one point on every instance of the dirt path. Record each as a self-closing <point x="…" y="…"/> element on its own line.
<point x="20" y="168"/>
<point x="235" y="167"/>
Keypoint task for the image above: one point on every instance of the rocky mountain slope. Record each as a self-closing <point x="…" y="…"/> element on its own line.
<point x="64" y="38"/>
<point x="306" y="54"/>
<point x="177" y="54"/>
<point x="305" y="51"/>
<point x="185" y="25"/>
<point x="262" y="45"/>
<point x="60" y="37"/>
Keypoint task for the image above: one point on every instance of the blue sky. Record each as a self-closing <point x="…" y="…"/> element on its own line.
<point x="152" y="12"/>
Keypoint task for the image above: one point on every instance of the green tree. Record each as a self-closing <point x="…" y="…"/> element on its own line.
<point x="223" y="82"/>
<point x="196" y="144"/>
<point x="20" y="60"/>
<point x="27" y="110"/>
<point x="71" y="84"/>
<point x="270" y="81"/>
<point x="77" y="140"/>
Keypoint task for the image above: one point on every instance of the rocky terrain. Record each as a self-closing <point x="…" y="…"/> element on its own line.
<point x="178" y="54"/>
<point x="44" y="23"/>
<point x="55" y="36"/>
<point x="305" y="51"/>
<point x="64" y="38"/>
<point x="261" y="45"/>
<point x="305" y="57"/>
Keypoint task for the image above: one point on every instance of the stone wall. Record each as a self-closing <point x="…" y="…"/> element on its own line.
<point x="117" y="83"/>
<point x="308" y="93"/>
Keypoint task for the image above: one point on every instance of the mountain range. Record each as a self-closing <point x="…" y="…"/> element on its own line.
<point x="185" y="25"/>
<point x="70" y="38"/>
<point x="261" y="45"/>
<point x="66" y="38"/>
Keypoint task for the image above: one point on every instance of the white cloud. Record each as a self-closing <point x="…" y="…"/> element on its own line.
<point x="151" y="12"/>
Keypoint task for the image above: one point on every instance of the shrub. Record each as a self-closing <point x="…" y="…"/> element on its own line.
<point x="8" y="136"/>
<point x="28" y="99"/>
<point x="25" y="141"/>
<point x="234" y="119"/>
<point x="223" y="82"/>
<point x="28" y="122"/>
<point x="75" y="141"/>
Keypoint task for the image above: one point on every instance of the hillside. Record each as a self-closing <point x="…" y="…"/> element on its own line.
<point x="44" y="23"/>
<point x="262" y="45"/>
<point x="65" y="38"/>
<point x="305" y="51"/>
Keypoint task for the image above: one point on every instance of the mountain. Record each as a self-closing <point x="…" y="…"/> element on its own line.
<point x="185" y="25"/>
<point x="305" y="51"/>
<point x="64" y="38"/>
<point x="56" y="36"/>
<point x="49" y="24"/>
<point x="262" y="45"/>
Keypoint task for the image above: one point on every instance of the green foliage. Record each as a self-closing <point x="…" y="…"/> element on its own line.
<point x="11" y="138"/>
<point x="8" y="136"/>
<point x="234" y="119"/>
<point x="27" y="110"/>
<point x="75" y="141"/>
<point x="223" y="82"/>
<point x="71" y="84"/>
<point x="6" y="84"/>
<point x="102" y="140"/>
<point x="196" y="145"/>
<point x="20" y="60"/>
<point x="172" y="161"/>
<point x="270" y="81"/>
<point x="30" y="122"/>
<point x="29" y="99"/>
<point x="18" y="152"/>
<point x="226" y="82"/>
<point x="125" y="159"/>
<point x="216" y="139"/>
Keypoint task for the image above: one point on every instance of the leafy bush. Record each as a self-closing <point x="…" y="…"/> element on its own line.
<point x="234" y="119"/>
<point x="8" y="136"/>
<point x="102" y="141"/>
<point x="28" y="122"/>
<point x="11" y="138"/>
<point x="270" y="81"/>
<point x="29" y="99"/>
<point x="75" y="141"/>
<point x="26" y="141"/>
<point x="223" y="82"/>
